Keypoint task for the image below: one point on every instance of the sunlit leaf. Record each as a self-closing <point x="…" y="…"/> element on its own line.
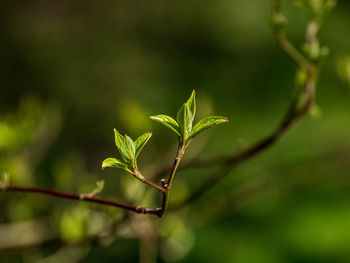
<point x="141" y="142"/>
<point x="130" y="147"/>
<point x="207" y="123"/>
<point x="184" y="119"/>
<point x="192" y="105"/>
<point x="185" y="116"/>
<point x="118" y="139"/>
<point x="123" y="149"/>
<point x="114" y="163"/>
<point x="168" y="122"/>
<point x="121" y="146"/>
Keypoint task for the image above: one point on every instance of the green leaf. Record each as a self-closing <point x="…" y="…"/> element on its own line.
<point x="184" y="118"/>
<point x="192" y="105"/>
<point x="141" y="142"/>
<point x="115" y="163"/>
<point x="207" y="123"/>
<point x="130" y="147"/>
<point x="168" y="122"/>
<point x="123" y="149"/>
<point x="118" y="140"/>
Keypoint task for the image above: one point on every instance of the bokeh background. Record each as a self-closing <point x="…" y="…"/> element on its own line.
<point x="71" y="71"/>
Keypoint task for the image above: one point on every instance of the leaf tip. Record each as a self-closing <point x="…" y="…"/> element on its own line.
<point x="104" y="164"/>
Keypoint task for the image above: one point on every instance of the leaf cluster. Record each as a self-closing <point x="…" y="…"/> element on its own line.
<point x="183" y="125"/>
<point x="129" y="149"/>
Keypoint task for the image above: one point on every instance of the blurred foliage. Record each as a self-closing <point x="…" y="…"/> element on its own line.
<point x="71" y="71"/>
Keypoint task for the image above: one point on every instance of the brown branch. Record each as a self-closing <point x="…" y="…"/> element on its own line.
<point x="149" y="182"/>
<point x="44" y="191"/>
<point x="89" y="198"/>
<point x="234" y="199"/>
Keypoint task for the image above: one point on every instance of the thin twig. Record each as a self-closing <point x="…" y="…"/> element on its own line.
<point x="167" y="184"/>
<point x="136" y="209"/>
<point x="154" y="185"/>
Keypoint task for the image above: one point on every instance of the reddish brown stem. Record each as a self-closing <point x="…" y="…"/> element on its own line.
<point x="158" y="187"/>
<point x="44" y="191"/>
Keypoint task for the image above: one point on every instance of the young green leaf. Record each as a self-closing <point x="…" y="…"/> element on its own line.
<point x="115" y="163"/>
<point x="141" y="142"/>
<point x="207" y="123"/>
<point x="168" y="122"/>
<point x="184" y="118"/>
<point x="192" y="105"/>
<point x="120" y="142"/>
<point x="130" y="147"/>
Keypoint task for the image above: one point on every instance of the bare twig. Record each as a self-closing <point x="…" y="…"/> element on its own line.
<point x="136" y="209"/>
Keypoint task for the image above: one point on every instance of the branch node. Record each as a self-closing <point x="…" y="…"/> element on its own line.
<point x="84" y="196"/>
<point x="159" y="211"/>
<point x="140" y="210"/>
<point x="164" y="184"/>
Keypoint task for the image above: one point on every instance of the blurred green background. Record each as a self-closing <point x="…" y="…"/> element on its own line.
<point x="71" y="71"/>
